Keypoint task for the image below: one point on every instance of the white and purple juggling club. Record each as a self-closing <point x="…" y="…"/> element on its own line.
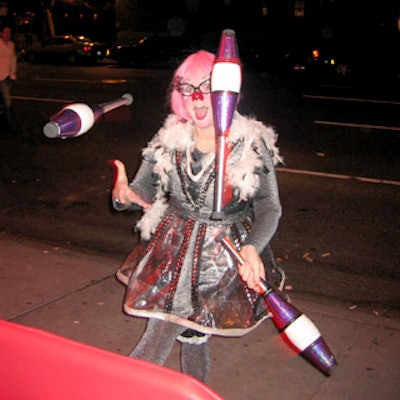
<point x="226" y="81"/>
<point x="292" y="323"/>
<point x="77" y="118"/>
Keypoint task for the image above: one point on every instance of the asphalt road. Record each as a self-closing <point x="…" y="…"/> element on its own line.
<point x="340" y="185"/>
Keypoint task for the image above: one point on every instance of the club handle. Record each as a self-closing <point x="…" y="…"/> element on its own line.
<point x="263" y="288"/>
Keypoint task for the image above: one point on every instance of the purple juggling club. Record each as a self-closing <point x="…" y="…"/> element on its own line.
<point x="226" y="81"/>
<point x="77" y="118"/>
<point x="295" y="326"/>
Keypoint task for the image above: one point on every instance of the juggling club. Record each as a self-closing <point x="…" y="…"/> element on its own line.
<point x="291" y="322"/>
<point x="226" y="81"/>
<point x="76" y="119"/>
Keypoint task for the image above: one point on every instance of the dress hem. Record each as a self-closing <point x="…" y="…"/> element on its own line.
<point x="227" y="332"/>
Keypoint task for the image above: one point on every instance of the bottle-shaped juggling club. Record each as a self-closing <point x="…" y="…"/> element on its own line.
<point x="226" y="81"/>
<point x="301" y="332"/>
<point x="291" y="322"/>
<point x="76" y="119"/>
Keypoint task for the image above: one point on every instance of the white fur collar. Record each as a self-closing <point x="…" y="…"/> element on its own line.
<point x="241" y="166"/>
<point x="178" y="135"/>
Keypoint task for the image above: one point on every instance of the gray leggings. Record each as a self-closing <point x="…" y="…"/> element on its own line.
<point x="157" y="342"/>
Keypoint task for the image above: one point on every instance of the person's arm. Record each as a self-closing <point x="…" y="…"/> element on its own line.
<point x="139" y="193"/>
<point x="144" y="183"/>
<point x="268" y="210"/>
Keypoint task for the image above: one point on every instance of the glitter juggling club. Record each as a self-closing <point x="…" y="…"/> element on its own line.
<point x="300" y="331"/>
<point x="226" y="81"/>
<point x="76" y="119"/>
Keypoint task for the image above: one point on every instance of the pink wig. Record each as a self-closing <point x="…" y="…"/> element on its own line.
<point x="201" y="60"/>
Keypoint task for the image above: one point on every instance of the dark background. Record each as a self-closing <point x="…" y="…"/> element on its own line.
<point x="338" y="237"/>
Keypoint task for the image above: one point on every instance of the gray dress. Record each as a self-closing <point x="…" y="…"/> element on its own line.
<point x="179" y="272"/>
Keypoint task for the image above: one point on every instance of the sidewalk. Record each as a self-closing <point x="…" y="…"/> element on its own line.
<point x="75" y="295"/>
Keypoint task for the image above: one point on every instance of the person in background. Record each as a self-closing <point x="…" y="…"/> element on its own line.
<point x="179" y="276"/>
<point x="8" y="74"/>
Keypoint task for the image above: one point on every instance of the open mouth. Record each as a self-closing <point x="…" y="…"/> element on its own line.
<point x="200" y="112"/>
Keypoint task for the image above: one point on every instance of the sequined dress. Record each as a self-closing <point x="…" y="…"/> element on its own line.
<point x="179" y="272"/>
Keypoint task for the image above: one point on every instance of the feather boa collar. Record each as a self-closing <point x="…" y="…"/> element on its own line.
<point x="241" y="168"/>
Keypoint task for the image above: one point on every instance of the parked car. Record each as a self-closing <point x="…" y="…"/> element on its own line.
<point x="153" y="50"/>
<point x="356" y="62"/>
<point x="69" y="49"/>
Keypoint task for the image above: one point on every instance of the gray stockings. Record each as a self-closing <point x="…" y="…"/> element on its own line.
<point x="157" y="342"/>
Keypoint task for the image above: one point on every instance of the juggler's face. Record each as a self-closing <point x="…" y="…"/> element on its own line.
<point x="198" y="100"/>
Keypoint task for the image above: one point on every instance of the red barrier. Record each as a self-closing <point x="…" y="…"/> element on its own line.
<point x="38" y="365"/>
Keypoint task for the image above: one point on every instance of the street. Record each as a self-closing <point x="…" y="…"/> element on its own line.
<point x="340" y="184"/>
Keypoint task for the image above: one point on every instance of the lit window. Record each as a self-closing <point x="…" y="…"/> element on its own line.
<point x="299" y="9"/>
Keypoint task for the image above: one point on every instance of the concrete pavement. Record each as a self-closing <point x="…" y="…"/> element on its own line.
<point x="75" y="295"/>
